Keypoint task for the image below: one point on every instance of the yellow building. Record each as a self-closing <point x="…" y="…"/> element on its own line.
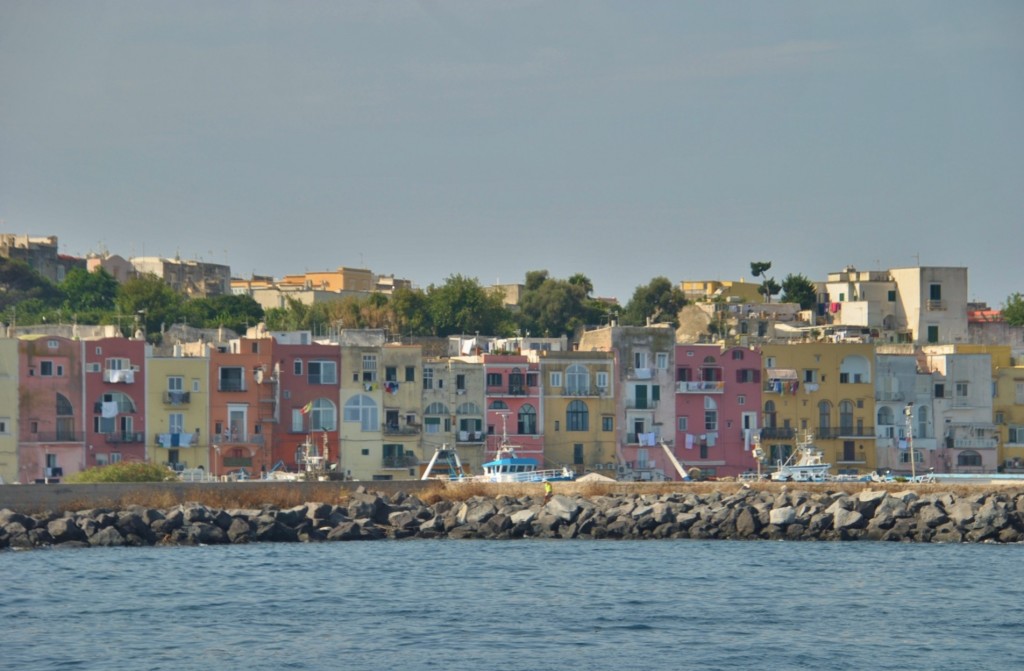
<point x="8" y="410"/>
<point x="342" y="279"/>
<point x="177" y="411"/>
<point x="824" y="389"/>
<point x="360" y="431"/>
<point x="1008" y="406"/>
<point x="578" y="408"/>
<point x="402" y="367"/>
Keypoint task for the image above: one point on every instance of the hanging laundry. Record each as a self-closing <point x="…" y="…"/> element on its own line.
<point x="108" y="409"/>
<point x="689" y="441"/>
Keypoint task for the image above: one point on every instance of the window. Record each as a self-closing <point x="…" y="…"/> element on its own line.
<point x="748" y="375"/>
<point x="435" y="416"/>
<point x="601" y="379"/>
<point x="322" y="372"/>
<point x="175" y="383"/>
<point x="494" y="379"/>
<point x="737" y="354"/>
<point x="410" y="373"/>
<point x="5" y="425"/>
<point x="940" y="391"/>
<point x="369" y="368"/>
<point x="531" y="381"/>
<point x="175" y="422"/>
<point x="498" y="405"/>
<point x="639" y="359"/>
<point x="905" y="457"/>
<point x="824" y="417"/>
<point x="577" y="380"/>
<point x="770" y="415"/>
<point x="682" y="423"/>
<point x="230" y="378"/>
<point x="362" y="409"/>
<point x="961" y="390"/>
<point x="741" y="399"/>
<point x="297" y="367"/>
<point x="428" y="378"/>
<point x="933" y="334"/>
<point x="298" y="423"/>
<point x="1016" y="434"/>
<point x="460" y="381"/>
<point x="607" y="423"/>
<point x="46" y="368"/>
<point x="555" y="378"/>
<point x="577" y="417"/>
<point x="661" y="360"/>
<point x="323" y="415"/>
<point x="769" y="362"/>
<point x="684" y="374"/>
<point x="65" y="418"/>
<point x="391" y="373"/>
<point x="577" y="453"/>
<point x="846" y="417"/>
<point x="968" y="458"/>
<point x="810" y="376"/>
<point x="892" y="295"/>
<point x="710" y="414"/>
<point x="935" y="292"/>
<point x="527" y="420"/>
<point x="195" y="386"/>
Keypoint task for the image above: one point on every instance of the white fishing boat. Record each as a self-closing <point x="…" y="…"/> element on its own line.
<point x="806" y="464"/>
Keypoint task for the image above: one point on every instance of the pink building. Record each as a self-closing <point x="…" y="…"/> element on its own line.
<point x="512" y="393"/>
<point x="309" y="376"/>
<point x="718" y="396"/>
<point x="51" y="437"/>
<point x="115" y="393"/>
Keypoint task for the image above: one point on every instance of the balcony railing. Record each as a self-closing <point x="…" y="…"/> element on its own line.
<point x="395" y="430"/>
<point x="56" y="437"/>
<point x="777" y="433"/>
<point x="177" y="397"/>
<point x="935" y="306"/>
<point x="126" y="437"/>
<point x="579" y="391"/>
<point x="238" y="462"/>
<point x="404" y="461"/>
<point x="700" y="387"/>
<point x="641" y="404"/>
<point x="975" y="443"/>
<point x="223" y="438"/>
<point x="470" y="436"/>
<point x="121" y="376"/>
<point x="834" y="432"/>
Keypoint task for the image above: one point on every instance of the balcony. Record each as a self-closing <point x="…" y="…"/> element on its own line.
<point x="238" y="462"/>
<point x="404" y="461"/>
<point x="641" y="404"/>
<point x="177" y="397"/>
<point x="778" y="433"/>
<point x="836" y="432"/>
<point x="119" y="376"/>
<point x="935" y="306"/>
<point x="701" y="387"/>
<point x="56" y="437"/>
<point x="470" y="437"/>
<point x="126" y="437"/>
<point x="649" y="439"/>
<point x="974" y="443"/>
<point x="395" y="430"/>
<point x="579" y="391"/>
<point x="891" y="396"/>
<point x="224" y="438"/>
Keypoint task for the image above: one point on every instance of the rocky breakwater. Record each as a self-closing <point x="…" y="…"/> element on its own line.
<point x="748" y="514"/>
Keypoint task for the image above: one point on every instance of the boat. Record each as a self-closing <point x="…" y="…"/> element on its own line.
<point x="506" y="466"/>
<point x="804" y="465"/>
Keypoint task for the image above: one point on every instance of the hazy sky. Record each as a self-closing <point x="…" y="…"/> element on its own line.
<point x="622" y="140"/>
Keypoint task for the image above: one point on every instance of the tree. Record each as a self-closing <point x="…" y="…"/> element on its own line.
<point x="461" y="305"/>
<point x="234" y="312"/>
<point x="552" y="307"/>
<point x="1013" y="309"/>
<point x="760" y="269"/>
<point x="85" y="291"/>
<point x="658" y="300"/>
<point x="799" y="289"/>
<point x="411" y="315"/>
<point x="26" y="291"/>
<point x="152" y="302"/>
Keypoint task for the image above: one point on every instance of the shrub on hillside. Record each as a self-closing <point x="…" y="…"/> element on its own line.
<point x="124" y="471"/>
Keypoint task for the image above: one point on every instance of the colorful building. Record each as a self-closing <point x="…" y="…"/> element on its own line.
<point x="243" y="407"/>
<point x="717" y="408"/>
<point x="8" y="410"/>
<point x="178" y="410"/>
<point x="51" y="408"/>
<point x="115" y="392"/>
<point x="513" y="402"/>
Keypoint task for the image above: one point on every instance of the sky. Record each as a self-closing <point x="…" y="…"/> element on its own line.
<point x="621" y="140"/>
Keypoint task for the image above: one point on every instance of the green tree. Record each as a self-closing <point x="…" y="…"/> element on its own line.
<point x="760" y="269"/>
<point x="461" y="305"/>
<point x="552" y="307"/>
<point x="412" y="317"/>
<point x="1013" y="309"/>
<point x="25" y="294"/>
<point x="234" y="312"/>
<point x="152" y="302"/>
<point x="799" y="289"/>
<point x="658" y="300"/>
<point x="85" y="291"/>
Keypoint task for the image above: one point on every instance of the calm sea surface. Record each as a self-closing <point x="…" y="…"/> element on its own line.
<point x="480" y="605"/>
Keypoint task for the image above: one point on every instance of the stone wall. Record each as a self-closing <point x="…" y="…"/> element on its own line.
<point x="995" y="516"/>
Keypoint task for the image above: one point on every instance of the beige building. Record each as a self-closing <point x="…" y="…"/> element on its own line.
<point x="342" y="279"/>
<point x="8" y="410"/>
<point x="191" y="278"/>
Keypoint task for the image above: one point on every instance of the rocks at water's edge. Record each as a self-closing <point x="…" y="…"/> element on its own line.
<point x="748" y="514"/>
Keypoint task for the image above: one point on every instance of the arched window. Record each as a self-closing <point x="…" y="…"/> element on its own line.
<point x="123" y="403"/>
<point x="968" y="458"/>
<point x="470" y="421"/>
<point x="885" y="416"/>
<point x="824" y="418"/>
<point x="498" y="405"/>
<point x="922" y="422"/>
<point x="435" y="417"/>
<point x="770" y="416"/>
<point x="324" y="415"/>
<point x="65" y="418"/>
<point x="362" y="409"/>
<point x="527" y="424"/>
<point x="577" y="417"/>
<point x="577" y="380"/>
<point x="846" y="417"/>
<point x="468" y="409"/>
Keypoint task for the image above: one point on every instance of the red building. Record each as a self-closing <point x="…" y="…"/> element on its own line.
<point x="51" y="436"/>
<point x="513" y="396"/>
<point x="115" y="393"/>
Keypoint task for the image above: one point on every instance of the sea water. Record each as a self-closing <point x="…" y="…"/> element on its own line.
<point x="530" y="605"/>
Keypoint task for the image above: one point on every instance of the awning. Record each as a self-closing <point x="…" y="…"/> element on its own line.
<point x="782" y="374"/>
